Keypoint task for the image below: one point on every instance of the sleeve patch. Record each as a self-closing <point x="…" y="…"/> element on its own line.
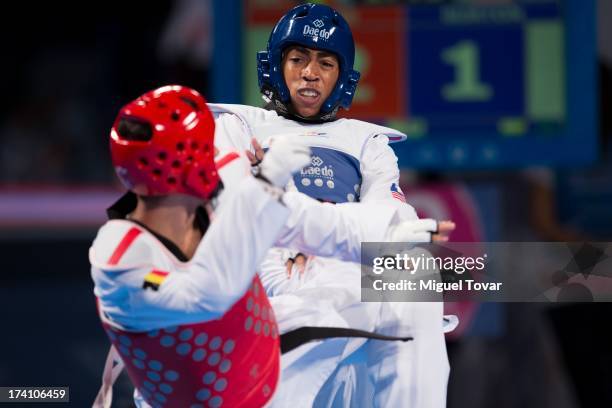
<point x="154" y="279"/>
<point x="397" y="193"/>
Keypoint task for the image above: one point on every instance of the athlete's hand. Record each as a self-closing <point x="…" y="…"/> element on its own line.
<point x="423" y="230"/>
<point x="299" y="261"/>
<point x="444" y="230"/>
<point x="285" y="156"/>
<point x="257" y="155"/>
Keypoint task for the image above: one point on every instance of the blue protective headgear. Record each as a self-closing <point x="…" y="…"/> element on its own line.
<point x="312" y="26"/>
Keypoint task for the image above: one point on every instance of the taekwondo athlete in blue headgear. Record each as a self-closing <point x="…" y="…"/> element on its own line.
<point x="306" y="75"/>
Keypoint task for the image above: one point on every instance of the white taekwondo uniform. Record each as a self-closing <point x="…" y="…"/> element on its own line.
<point x="351" y="162"/>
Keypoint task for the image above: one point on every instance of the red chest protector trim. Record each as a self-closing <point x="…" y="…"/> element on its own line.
<point x="233" y="361"/>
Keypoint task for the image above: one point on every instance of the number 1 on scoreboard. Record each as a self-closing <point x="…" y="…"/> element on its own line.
<point x="467" y="86"/>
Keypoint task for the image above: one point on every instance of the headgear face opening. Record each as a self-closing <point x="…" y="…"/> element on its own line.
<point x="313" y="26"/>
<point x="163" y="143"/>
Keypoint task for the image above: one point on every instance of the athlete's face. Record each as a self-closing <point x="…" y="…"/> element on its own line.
<point x="311" y="76"/>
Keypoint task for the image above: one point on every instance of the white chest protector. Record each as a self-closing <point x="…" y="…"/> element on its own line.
<point x="334" y="174"/>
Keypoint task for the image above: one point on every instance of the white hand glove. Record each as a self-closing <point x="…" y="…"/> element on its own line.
<point x="412" y="231"/>
<point x="285" y="156"/>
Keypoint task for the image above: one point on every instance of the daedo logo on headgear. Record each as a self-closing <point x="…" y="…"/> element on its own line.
<point x="316" y="31"/>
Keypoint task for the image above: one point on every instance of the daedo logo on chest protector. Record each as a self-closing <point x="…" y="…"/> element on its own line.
<point x="317" y="31"/>
<point x="316" y="172"/>
<point x="332" y="176"/>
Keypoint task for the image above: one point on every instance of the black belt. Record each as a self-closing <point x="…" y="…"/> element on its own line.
<point x="297" y="337"/>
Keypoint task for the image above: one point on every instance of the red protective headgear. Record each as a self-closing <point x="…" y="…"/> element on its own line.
<point x="162" y="143"/>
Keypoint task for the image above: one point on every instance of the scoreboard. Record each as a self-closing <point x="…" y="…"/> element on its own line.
<point x="475" y="84"/>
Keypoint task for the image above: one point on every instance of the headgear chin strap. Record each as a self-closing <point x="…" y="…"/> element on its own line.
<point x="286" y="110"/>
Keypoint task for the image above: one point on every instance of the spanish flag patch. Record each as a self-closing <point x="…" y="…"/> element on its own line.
<point x="154" y="279"/>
